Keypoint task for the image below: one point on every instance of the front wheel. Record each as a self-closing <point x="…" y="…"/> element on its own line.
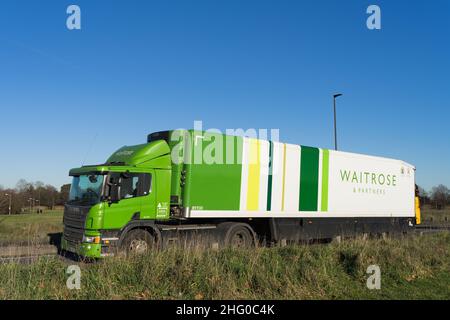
<point x="138" y="242"/>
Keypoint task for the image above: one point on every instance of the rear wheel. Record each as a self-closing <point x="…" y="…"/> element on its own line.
<point x="239" y="236"/>
<point x="138" y="241"/>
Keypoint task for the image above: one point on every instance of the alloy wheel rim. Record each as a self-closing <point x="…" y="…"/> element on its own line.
<point x="138" y="246"/>
<point x="239" y="240"/>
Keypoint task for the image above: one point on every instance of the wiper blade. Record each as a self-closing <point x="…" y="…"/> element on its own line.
<point x="80" y="202"/>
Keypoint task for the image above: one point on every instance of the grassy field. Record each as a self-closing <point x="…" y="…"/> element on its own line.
<point x="415" y="267"/>
<point x="433" y="216"/>
<point x="412" y="268"/>
<point x="29" y="228"/>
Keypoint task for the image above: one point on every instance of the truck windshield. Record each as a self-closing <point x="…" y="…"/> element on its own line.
<point x="86" y="189"/>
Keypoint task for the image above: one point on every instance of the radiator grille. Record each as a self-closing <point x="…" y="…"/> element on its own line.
<point x="74" y="221"/>
<point x="73" y="235"/>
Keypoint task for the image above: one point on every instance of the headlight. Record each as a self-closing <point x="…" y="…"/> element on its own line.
<point x="89" y="239"/>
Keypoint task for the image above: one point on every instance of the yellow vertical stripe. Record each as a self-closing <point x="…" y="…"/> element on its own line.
<point x="254" y="169"/>
<point x="418" y="220"/>
<point x="284" y="177"/>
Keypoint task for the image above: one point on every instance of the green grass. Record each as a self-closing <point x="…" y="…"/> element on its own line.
<point x="415" y="267"/>
<point x="434" y="216"/>
<point x="412" y="268"/>
<point x="29" y="228"/>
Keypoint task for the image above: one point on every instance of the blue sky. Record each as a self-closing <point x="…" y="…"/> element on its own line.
<point x="68" y="97"/>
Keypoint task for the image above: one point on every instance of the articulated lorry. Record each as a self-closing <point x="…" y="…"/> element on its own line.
<point x="237" y="191"/>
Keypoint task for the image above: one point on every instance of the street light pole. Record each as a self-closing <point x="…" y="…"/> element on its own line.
<point x="10" y="199"/>
<point x="335" y="127"/>
<point x="39" y="201"/>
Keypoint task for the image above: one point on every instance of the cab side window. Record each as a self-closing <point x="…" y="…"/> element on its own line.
<point x="135" y="185"/>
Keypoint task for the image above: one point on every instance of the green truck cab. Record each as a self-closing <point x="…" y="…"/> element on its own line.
<point x="132" y="186"/>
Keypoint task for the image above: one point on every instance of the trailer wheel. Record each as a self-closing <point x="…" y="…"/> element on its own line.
<point x="138" y="241"/>
<point x="239" y="236"/>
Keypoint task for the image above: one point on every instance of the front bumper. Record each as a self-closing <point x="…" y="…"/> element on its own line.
<point x="88" y="250"/>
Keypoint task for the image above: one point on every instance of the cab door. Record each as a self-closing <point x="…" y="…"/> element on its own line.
<point x="148" y="199"/>
<point x="135" y="195"/>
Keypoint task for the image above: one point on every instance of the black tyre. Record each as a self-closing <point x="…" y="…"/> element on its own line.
<point x="239" y="236"/>
<point x="138" y="241"/>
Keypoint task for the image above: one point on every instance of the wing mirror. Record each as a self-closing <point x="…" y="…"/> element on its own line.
<point x="113" y="194"/>
<point x="114" y="185"/>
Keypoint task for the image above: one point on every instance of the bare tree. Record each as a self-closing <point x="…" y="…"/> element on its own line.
<point x="28" y="194"/>
<point x="3" y="201"/>
<point x="22" y="185"/>
<point x="440" y="196"/>
<point x="423" y="195"/>
<point x="38" y="184"/>
<point x="64" y="194"/>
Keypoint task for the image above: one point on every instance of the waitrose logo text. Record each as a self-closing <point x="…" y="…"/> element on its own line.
<point x="364" y="177"/>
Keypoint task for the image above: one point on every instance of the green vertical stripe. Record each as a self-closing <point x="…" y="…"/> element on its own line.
<point x="269" y="180"/>
<point x="309" y="179"/>
<point x="325" y="174"/>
